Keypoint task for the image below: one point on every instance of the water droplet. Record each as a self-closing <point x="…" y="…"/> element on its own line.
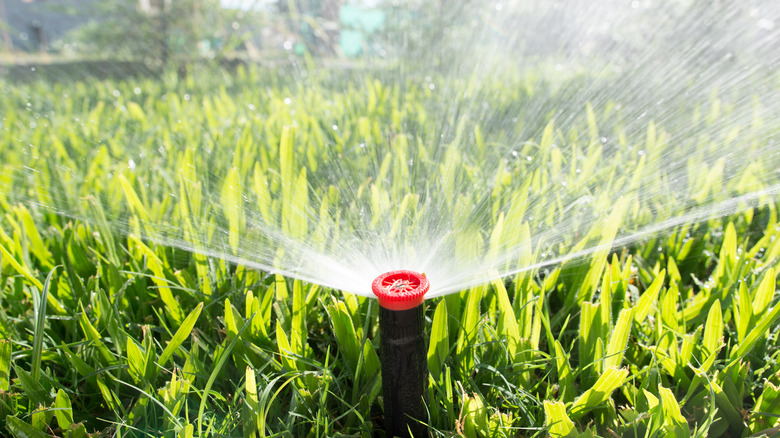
<point x="528" y="158"/>
<point x="514" y="153"/>
<point x="187" y="97"/>
<point x="251" y="107"/>
<point x="287" y="101"/>
<point x="641" y="152"/>
<point x="137" y="90"/>
<point x="335" y="127"/>
<point x="578" y="170"/>
<point x="499" y="6"/>
<point x="431" y="86"/>
<point x="131" y="164"/>
<point x="288" y="45"/>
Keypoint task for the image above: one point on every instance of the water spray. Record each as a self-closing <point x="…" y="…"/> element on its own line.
<point x="402" y="349"/>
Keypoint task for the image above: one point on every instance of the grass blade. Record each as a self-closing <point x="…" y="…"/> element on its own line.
<point x="468" y="332"/>
<point x="181" y="335"/>
<point x="565" y="377"/>
<point x="298" y="332"/>
<point x="609" y="381"/>
<point x="214" y="373"/>
<point x="19" y="268"/>
<point x="232" y="207"/>
<point x="619" y="339"/>
<point x="5" y="364"/>
<point x="286" y="354"/>
<point x="713" y="329"/>
<point x="39" y="305"/>
<point x="743" y="312"/>
<point x="136" y="362"/>
<point x="345" y="334"/>
<point x="133" y="200"/>
<point x="507" y="322"/>
<point x="730" y="413"/>
<point x="31" y="232"/>
<point x="762" y="297"/>
<point x="252" y="411"/>
<point x="187" y="431"/>
<point x="673" y="419"/>
<point x="63" y="410"/>
<point x="438" y="347"/>
<point x="21" y="429"/>
<point x="762" y="327"/>
<point x="557" y="422"/>
<point x="33" y="389"/>
<point x="91" y="333"/>
<point x="767" y="409"/>
<point x="649" y="297"/>
<point x="172" y="307"/>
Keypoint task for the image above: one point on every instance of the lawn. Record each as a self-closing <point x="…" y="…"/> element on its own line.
<point x="178" y="256"/>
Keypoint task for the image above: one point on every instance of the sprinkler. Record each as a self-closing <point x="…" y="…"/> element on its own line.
<point x="402" y="349"/>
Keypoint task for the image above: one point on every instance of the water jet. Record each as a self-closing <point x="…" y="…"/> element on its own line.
<point x="402" y="348"/>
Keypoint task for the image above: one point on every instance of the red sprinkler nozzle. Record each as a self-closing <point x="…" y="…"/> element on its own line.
<point x="400" y="290"/>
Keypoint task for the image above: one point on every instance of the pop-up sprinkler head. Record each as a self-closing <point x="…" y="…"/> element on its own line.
<point x="400" y="290"/>
<point x="402" y="349"/>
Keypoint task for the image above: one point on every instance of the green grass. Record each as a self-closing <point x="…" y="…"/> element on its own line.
<point x="109" y="334"/>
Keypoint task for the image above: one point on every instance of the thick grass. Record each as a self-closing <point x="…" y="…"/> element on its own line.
<point x="109" y="334"/>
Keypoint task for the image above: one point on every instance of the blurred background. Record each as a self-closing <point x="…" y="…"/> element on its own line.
<point x="125" y="37"/>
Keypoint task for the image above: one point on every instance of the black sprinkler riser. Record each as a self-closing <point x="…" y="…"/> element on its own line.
<point x="404" y="371"/>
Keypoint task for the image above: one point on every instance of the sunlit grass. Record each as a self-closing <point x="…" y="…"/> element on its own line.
<point x="105" y="332"/>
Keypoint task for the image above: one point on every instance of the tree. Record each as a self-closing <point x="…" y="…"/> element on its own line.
<point x="156" y="32"/>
